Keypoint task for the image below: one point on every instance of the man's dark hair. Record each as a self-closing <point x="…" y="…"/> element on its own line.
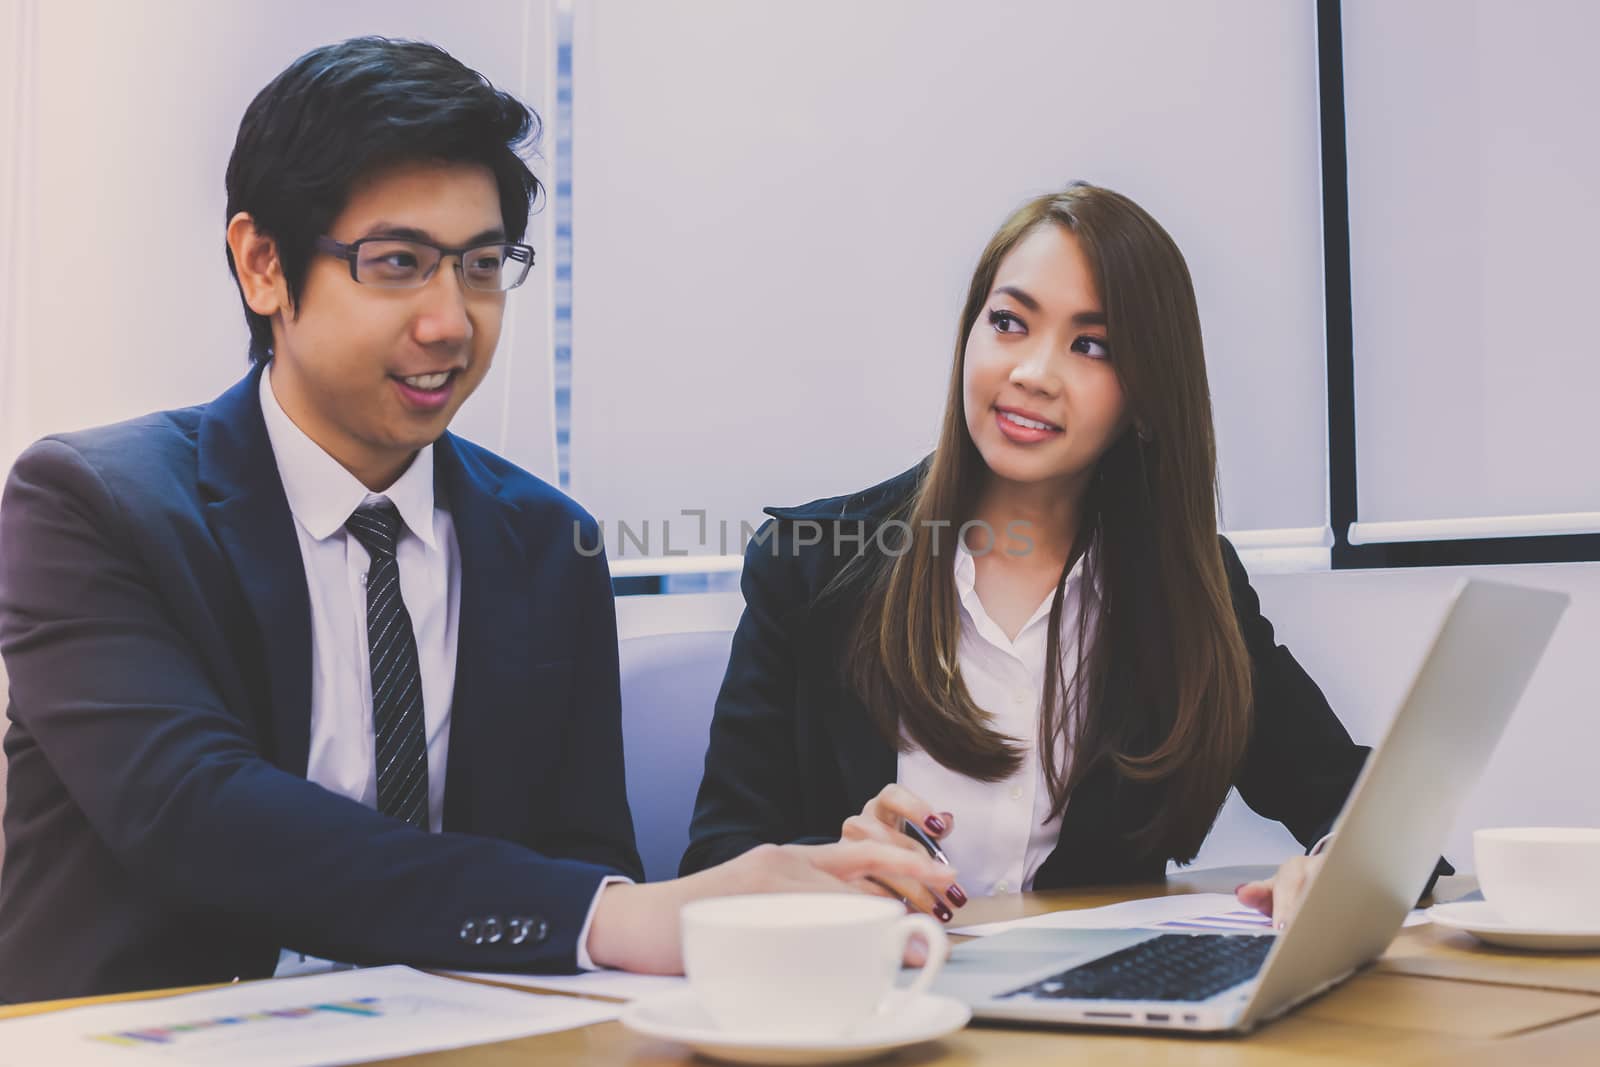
<point x="349" y="110"/>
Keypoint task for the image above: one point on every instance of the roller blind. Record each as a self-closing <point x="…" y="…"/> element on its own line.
<point x="1474" y="214"/>
<point x="777" y="207"/>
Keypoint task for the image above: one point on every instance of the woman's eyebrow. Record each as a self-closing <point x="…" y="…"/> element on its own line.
<point x="1019" y="295"/>
<point x="1023" y="297"/>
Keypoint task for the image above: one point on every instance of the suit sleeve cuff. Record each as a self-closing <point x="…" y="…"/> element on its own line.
<point x="584" y="962"/>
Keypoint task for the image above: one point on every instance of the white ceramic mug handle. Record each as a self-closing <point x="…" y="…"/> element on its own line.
<point x="938" y="948"/>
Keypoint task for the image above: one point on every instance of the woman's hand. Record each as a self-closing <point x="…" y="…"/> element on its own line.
<point x="1280" y="895"/>
<point x="839" y="867"/>
<point x="879" y="821"/>
<point x="636" y="927"/>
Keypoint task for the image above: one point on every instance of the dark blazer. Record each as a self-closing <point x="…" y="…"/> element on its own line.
<point x="159" y="827"/>
<point x="793" y="752"/>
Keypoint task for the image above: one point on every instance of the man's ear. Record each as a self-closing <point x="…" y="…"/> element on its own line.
<point x="255" y="259"/>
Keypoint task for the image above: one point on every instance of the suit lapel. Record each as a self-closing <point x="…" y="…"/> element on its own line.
<point x="249" y="515"/>
<point x="492" y="636"/>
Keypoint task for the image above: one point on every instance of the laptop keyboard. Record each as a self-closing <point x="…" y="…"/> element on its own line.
<point x="1182" y="967"/>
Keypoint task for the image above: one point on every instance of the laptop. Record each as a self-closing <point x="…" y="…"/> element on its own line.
<point x="1386" y="843"/>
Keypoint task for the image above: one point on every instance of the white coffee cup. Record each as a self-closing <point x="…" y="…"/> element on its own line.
<point x="1543" y="878"/>
<point x="801" y="964"/>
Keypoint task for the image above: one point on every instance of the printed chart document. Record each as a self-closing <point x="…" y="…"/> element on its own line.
<point x="1186" y="911"/>
<point x="344" y="1017"/>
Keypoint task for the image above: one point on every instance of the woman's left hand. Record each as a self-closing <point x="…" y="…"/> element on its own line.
<point x="1280" y="895"/>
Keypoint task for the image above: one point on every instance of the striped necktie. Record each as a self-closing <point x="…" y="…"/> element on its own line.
<point x="399" y="732"/>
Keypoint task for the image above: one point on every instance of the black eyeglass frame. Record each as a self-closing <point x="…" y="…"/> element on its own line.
<point x="350" y="252"/>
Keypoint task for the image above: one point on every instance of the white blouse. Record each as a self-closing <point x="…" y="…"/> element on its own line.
<point x="1001" y="834"/>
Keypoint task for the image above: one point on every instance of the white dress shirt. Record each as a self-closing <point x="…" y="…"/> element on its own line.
<point x="322" y="494"/>
<point x="1002" y="830"/>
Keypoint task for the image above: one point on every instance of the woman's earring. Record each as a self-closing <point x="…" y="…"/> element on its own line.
<point x="1143" y="432"/>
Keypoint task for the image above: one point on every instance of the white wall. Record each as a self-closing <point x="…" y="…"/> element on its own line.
<point x="114" y="279"/>
<point x="1361" y="634"/>
<point x="17" y="32"/>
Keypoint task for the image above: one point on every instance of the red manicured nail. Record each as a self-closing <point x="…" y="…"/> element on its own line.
<point x="935" y="824"/>
<point x="957" y="897"/>
<point x="942" y="912"/>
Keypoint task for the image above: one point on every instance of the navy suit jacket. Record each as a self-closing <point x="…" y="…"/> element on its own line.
<point x="793" y="751"/>
<point x="160" y="830"/>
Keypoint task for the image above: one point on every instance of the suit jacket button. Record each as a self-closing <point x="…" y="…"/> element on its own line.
<point x="469" y="932"/>
<point x="491" y="929"/>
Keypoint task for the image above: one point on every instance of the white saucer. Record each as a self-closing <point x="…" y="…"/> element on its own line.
<point x="678" y="1016"/>
<point x="1480" y="920"/>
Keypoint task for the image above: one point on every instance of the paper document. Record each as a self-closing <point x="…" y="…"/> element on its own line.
<point x="345" y="1017"/>
<point x="617" y="985"/>
<point x="1188" y="911"/>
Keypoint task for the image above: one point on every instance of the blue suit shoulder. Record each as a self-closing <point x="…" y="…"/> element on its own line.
<point x="142" y="461"/>
<point x="541" y="506"/>
<point x="133" y="444"/>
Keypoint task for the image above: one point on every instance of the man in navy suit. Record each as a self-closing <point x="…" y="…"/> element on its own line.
<point x="300" y="670"/>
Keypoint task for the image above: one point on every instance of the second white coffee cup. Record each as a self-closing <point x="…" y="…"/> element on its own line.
<point x="809" y="965"/>
<point x="1541" y="877"/>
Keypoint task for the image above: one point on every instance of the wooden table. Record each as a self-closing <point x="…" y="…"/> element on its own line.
<point x="1435" y="998"/>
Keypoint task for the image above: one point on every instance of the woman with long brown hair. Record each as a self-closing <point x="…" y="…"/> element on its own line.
<point x="1033" y="644"/>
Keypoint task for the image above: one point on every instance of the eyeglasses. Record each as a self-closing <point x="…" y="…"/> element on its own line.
<point x="391" y="263"/>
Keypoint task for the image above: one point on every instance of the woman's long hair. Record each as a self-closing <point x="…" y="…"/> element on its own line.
<point x="1164" y="642"/>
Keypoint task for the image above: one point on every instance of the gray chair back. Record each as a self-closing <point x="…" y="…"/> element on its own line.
<point x="670" y="678"/>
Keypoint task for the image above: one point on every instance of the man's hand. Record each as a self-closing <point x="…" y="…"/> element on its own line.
<point x="636" y="927"/>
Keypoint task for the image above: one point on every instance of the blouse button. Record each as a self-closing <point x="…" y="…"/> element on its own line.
<point x="1016" y="792"/>
<point x="1002" y="888"/>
